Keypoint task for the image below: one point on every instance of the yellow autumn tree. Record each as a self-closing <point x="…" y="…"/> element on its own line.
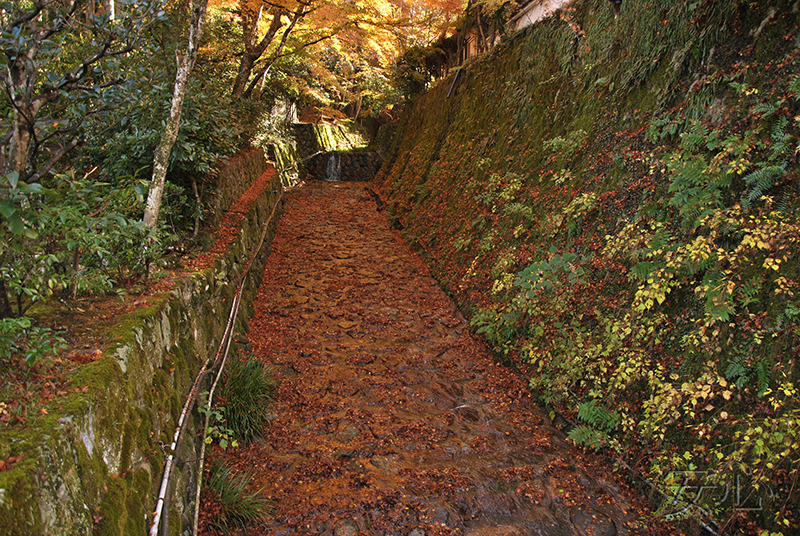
<point x="375" y="31"/>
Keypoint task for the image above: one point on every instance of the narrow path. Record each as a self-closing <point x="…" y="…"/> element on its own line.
<point x="392" y="419"/>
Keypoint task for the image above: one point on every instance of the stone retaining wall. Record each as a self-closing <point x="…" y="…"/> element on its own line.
<point x="93" y="463"/>
<point x="382" y="143"/>
<point x="344" y="166"/>
<point x="233" y="178"/>
<point x="312" y="138"/>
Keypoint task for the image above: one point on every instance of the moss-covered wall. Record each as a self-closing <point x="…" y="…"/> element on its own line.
<point x="233" y="178"/>
<point x="93" y="464"/>
<point x="592" y="193"/>
<point x="343" y="166"/>
<point x="310" y="139"/>
<point x="382" y="142"/>
<point x="287" y="162"/>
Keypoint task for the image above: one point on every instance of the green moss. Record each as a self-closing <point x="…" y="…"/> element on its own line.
<point x="42" y="310"/>
<point x="176" y="403"/>
<point x="161" y="382"/>
<point x="112" y="512"/>
<point x="19" y="507"/>
<point x="123" y="332"/>
<point x="128" y="435"/>
<point x="138" y="501"/>
<point x="124" y="505"/>
<point x="91" y="471"/>
<point x="97" y="376"/>
<point x="175" y="525"/>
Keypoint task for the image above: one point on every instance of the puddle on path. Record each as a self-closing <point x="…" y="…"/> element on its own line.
<point x="393" y="419"/>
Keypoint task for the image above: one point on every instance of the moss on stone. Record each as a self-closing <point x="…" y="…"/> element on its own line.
<point x="18" y="504"/>
<point x="121" y="507"/>
<point x="128" y="435"/>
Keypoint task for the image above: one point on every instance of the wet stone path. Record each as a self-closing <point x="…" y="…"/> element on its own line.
<point x="392" y="418"/>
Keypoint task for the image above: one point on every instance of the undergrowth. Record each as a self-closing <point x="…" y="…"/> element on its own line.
<point x="615" y="200"/>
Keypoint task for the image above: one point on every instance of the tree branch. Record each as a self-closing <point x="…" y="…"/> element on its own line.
<point x="274" y="26"/>
<point x="62" y="22"/>
<point x="53" y="159"/>
<point x="299" y="14"/>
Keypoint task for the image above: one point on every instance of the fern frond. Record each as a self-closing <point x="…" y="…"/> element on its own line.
<point x="737" y="372"/>
<point x="588" y="436"/>
<point x="765" y="109"/>
<point x="597" y="416"/>
<point x="762" y="180"/>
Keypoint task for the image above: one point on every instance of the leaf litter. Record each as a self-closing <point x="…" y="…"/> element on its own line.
<point x="392" y="418"/>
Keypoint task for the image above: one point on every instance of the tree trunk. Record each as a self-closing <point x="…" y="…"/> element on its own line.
<point x="164" y="149"/>
<point x="76" y="266"/>
<point x="19" y="77"/>
<point x="253" y="50"/>
<point x="262" y="73"/>
<point x="245" y="69"/>
<point x="197" y="200"/>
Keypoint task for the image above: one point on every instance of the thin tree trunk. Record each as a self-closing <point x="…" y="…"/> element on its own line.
<point x="76" y="257"/>
<point x="483" y="36"/>
<point x="22" y="118"/>
<point x="198" y="201"/>
<point x="245" y="68"/>
<point x="164" y="149"/>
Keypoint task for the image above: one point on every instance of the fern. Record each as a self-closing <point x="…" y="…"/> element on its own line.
<point x="598" y="417"/>
<point x="762" y="377"/>
<point x="643" y="269"/>
<point x="766" y="109"/>
<point x="694" y="137"/>
<point x="588" y="436"/>
<point x="598" y="422"/>
<point x="785" y="205"/>
<point x="794" y="87"/>
<point x="779" y="140"/>
<point x="737" y="372"/>
<point x="742" y="373"/>
<point x="762" y="180"/>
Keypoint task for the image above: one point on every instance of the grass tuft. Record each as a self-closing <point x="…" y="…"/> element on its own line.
<point x="247" y="393"/>
<point x="238" y="506"/>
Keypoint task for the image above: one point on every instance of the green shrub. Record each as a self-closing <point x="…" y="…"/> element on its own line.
<point x="73" y="236"/>
<point x="19" y="336"/>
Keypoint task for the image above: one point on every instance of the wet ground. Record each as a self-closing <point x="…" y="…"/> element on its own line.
<point x="392" y="418"/>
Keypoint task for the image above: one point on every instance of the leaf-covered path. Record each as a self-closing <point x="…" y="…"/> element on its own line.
<point x="392" y="418"/>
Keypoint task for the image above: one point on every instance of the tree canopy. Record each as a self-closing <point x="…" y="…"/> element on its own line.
<point x="346" y="43"/>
